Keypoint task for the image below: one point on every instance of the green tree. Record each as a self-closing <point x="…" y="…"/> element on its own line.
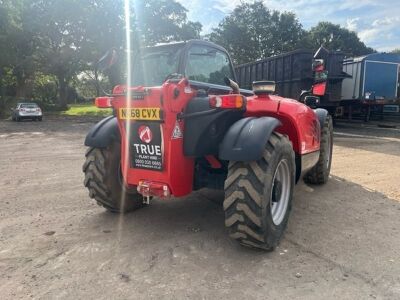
<point x="17" y="46"/>
<point x="161" y="21"/>
<point x="334" y="37"/>
<point x="252" y="32"/>
<point x="62" y="39"/>
<point x="396" y="51"/>
<point x="60" y="32"/>
<point x="45" y="88"/>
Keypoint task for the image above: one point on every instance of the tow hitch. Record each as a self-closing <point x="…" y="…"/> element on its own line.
<point x="152" y="189"/>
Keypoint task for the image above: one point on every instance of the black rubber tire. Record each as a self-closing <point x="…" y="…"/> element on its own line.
<point x="40" y="119"/>
<point x="18" y="119"/>
<point x="319" y="174"/>
<point x="248" y="193"/>
<point x="104" y="180"/>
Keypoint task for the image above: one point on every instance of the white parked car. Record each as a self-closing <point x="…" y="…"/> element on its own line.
<point x="26" y="111"/>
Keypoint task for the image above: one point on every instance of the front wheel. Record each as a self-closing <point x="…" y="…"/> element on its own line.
<point x="104" y="181"/>
<point x="258" y="195"/>
<point x="319" y="174"/>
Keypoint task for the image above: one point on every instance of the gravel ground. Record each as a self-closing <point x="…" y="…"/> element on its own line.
<point x="343" y="239"/>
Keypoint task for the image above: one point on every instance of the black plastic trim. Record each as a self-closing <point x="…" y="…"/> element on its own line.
<point x="246" y="139"/>
<point x="205" y="127"/>
<point x="103" y="133"/>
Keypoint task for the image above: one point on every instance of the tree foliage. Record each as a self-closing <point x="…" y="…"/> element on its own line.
<point x="334" y="37"/>
<point x="163" y="21"/>
<point x="62" y="39"/>
<point x="46" y="45"/>
<point x="252" y="31"/>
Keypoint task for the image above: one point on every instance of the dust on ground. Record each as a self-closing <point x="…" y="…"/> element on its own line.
<point x="343" y="239"/>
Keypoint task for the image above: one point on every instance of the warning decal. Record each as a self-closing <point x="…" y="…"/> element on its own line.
<point x="177" y="133"/>
<point x="146" y="146"/>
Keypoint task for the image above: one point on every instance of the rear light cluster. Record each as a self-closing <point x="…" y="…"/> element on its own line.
<point x="103" y="102"/>
<point x="233" y="101"/>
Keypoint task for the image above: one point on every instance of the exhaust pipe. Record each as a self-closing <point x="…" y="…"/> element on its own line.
<point x="234" y="86"/>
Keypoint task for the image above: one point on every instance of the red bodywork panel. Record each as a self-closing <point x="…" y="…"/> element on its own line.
<point x="299" y="123"/>
<point x="177" y="170"/>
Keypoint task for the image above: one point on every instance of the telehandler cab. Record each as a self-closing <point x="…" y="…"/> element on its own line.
<point x="183" y="124"/>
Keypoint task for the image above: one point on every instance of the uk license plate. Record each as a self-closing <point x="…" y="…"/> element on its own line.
<point x="143" y="114"/>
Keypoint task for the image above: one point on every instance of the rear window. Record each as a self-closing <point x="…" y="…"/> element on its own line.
<point x="206" y="64"/>
<point x="155" y="64"/>
<point x="29" y="105"/>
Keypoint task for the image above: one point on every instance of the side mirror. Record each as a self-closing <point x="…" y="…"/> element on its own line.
<point x="311" y="101"/>
<point x="107" y="60"/>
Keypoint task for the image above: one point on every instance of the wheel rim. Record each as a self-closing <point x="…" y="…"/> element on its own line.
<point x="280" y="192"/>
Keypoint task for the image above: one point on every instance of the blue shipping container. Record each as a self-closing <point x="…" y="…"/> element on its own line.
<point x="374" y="77"/>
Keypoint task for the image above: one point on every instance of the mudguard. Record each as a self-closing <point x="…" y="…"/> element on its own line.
<point x="103" y="133"/>
<point x="321" y="114"/>
<point x="246" y="139"/>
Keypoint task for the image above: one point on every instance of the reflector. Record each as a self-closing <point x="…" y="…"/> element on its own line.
<point x="103" y="102"/>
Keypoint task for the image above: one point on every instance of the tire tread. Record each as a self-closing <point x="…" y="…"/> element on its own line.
<point x="244" y="203"/>
<point x="96" y="181"/>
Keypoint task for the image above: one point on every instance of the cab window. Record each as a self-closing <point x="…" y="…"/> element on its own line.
<point x="209" y="65"/>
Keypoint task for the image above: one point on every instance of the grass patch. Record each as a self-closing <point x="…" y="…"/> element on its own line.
<point x="86" y="110"/>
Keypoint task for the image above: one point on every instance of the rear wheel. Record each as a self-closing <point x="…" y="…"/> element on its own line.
<point x="319" y="174"/>
<point x="104" y="181"/>
<point x="258" y="195"/>
<point x="39" y="118"/>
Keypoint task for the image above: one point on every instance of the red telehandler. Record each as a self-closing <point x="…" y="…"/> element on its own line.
<point x="183" y="124"/>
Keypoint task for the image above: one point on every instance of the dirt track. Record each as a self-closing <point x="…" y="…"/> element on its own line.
<point x="343" y="240"/>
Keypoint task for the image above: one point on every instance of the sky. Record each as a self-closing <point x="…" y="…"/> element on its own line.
<point x="377" y="23"/>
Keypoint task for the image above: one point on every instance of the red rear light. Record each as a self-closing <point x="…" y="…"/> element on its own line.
<point x="233" y="101"/>
<point x="103" y="102"/>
